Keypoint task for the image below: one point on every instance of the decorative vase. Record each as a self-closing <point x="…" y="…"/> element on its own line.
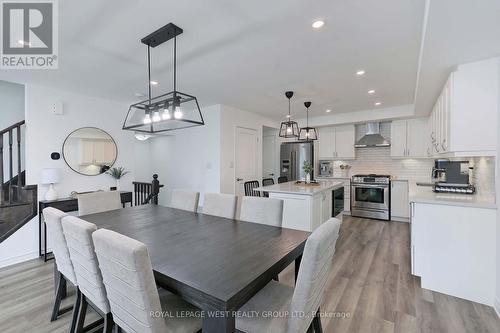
<point x="308" y="178"/>
<point x="117" y="184"/>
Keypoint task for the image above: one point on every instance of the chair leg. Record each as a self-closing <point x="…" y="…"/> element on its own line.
<point x="317" y="323"/>
<point x="59" y="294"/>
<point x="76" y="307"/>
<point x="82" y="312"/>
<point x="276" y="278"/>
<point x="108" y="323"/>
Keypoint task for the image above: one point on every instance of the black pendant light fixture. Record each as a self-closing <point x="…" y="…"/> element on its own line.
<point x="307" y="133"/>
<point x="289" y="128"/>
<point x="167" y="112"/>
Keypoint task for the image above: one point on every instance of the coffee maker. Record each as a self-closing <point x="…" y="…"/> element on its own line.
<point x="451" y="177"/>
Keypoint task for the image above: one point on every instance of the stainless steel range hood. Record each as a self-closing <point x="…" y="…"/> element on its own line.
<point x="372" y="138"/>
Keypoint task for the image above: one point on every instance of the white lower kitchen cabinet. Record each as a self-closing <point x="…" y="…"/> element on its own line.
<point x="400" y="205"/>
<point x="453" y="250"/>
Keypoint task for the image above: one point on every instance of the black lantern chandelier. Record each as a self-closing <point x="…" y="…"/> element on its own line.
<point x="307" y="133"/>
<point x="289" y="128"/>
<point x="167" y="112"/>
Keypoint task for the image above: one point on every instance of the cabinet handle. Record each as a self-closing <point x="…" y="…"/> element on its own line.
<point x="443" y="145"/>
<point x="428" y="151"/>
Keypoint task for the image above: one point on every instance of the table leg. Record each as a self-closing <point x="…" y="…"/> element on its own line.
<point x="297" y="266"/>
<point x="219" y="323"/>
<point x="39" y="233"/>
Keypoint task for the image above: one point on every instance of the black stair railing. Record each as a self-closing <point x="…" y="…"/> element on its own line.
<point x="7" y="195"/>
<point x="145" y="193"/>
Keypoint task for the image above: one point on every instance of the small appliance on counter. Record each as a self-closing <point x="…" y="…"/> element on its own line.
<point x="451" y="177"/>
<point x="325" y="169"/>
<point x="371" y="196"/>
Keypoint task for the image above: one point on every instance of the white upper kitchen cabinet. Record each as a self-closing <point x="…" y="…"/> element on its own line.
<point x="408" y="138"/>
<point x="345" y="137"/>
<point x="463" y="120"/>
<point x="336" y="142"/>
<point x="398" y="138"/>
<point x="326" y="143"/>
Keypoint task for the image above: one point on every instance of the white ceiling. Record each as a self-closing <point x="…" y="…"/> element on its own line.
<point x="247" y="53"/>
<point x="458" y="32"/>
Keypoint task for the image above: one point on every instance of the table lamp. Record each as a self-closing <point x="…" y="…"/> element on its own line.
<point x="50" y="177"/>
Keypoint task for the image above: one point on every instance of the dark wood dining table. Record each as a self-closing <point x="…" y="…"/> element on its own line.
<point x="214" y="263"/>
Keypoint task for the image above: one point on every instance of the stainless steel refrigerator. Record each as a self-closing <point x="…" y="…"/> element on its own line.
<point x="292" y="158"/>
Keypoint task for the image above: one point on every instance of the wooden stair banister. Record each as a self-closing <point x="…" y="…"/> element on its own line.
<point x="18" y="201"/>
<point x="11" y="196"/>
<point x="145" y="193"/>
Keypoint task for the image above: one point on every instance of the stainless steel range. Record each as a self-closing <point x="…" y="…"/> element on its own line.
<point x="371" y="196"/>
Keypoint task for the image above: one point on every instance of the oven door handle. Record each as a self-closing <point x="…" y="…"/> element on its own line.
<point x="381" y="186"/>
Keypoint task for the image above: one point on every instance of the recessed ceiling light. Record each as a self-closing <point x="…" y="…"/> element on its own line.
<point x="328" y="111"/>
<point x="377" y="103"/>
<point x="371" y="91"/>
<point x="360" y="72"/>
<point x="318" y="24"/>
<point x="154" y="83"/>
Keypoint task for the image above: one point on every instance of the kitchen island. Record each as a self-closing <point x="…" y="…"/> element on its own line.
<point x="305" y="207"/>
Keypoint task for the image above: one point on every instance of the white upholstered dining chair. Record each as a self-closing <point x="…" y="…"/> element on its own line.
<point x="220" y="204"/>
<point x="185" y="200"/>
<point x="98" y="202"/>
<point x="132" y="293"/>
<point x="262" y="210"/>
<point x="91" y="289"/>
<point x="63" y="262"/>
<point x="305" y="299"/>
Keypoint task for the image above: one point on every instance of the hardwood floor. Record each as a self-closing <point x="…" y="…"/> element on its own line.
<point x="370" y="290"/>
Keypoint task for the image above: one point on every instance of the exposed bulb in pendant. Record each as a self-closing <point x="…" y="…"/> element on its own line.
<point x="307" y="134"/>
<point x="178" y="112"/>
<point x="147" y="119"/>
<point x="289" y="129"/>
<point x="156" y="116"/>
<point x="166" y="114"/>
<point x="288" y="116"/>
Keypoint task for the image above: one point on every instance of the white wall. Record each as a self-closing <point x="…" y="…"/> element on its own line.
<point x="11" y="112"/>
<point x="230" y="119"/>
<point x="188" y="158"/>
<point x="45" y="133"/>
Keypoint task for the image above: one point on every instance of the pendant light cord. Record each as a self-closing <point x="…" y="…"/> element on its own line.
<point x="175" y="63"/>
<point x="307" y="118"/>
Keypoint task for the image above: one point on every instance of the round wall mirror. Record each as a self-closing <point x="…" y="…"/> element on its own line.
<point x="89" y="151"/>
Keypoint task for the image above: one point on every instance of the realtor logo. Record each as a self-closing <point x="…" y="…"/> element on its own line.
<point x="29" y="34"/>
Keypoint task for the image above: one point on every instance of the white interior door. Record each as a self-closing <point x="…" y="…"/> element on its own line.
<point x="245" y="165"/>
<point x="269" y="159"/>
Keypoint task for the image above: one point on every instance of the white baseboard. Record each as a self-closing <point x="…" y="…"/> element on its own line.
<point x="17" y="259"/>
<point x="496" y="306"/>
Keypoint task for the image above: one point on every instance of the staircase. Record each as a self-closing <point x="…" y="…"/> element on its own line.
<point x="18" y="201"/>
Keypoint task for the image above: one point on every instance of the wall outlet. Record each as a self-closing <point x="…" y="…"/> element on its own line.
<point x="57" y="108"/>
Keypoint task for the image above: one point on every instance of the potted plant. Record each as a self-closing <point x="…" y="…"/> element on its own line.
<point x="308" y="168"/>
<point x="117" y="173"/>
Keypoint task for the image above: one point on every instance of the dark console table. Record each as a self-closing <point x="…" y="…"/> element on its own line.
<point x="65" y="205"/>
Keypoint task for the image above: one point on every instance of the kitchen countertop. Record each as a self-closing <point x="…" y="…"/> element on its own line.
<point x="292" y="188"/>
<point x="425" y="195"/>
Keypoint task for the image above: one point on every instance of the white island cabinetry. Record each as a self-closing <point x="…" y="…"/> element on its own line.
<point x="305" y="207"/>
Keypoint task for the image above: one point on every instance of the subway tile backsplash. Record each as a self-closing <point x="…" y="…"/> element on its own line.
<point x="379" y="161"/>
